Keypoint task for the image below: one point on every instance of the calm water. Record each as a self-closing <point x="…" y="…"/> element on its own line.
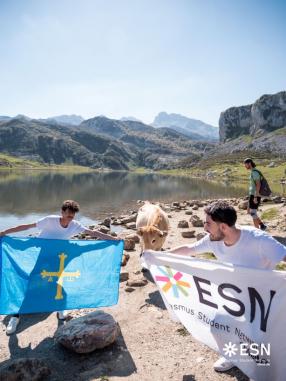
<point x="26" y="197"/>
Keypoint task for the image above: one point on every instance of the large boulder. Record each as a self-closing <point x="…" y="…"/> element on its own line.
<point x="87" y="333"/>
<point x="24" y="369"/>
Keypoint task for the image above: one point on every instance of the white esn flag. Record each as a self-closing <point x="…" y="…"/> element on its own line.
<point x="237" y="311"/>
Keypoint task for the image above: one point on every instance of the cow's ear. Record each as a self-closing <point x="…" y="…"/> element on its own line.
<point x="140" y="231"/>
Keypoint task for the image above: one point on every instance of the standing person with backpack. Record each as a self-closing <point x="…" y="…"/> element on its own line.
<point x="258" y="187"/>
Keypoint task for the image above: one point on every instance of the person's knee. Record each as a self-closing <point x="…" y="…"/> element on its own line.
<point x="253" y="213"/>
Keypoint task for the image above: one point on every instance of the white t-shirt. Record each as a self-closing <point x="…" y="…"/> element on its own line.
<point x="255" y="249"/>
<point x="50" y="227"/>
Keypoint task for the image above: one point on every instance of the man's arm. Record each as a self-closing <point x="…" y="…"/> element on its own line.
<point x="97" y="234"/>
<point x="183" y="250"/>
<point x="201" y="246"/>
<point x="257" y="188"/>
<point x="16" y="229"/>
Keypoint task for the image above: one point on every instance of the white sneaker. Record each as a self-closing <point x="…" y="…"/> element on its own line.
<point x="222" y="365"/>
<point x="62" y="315"/>
<point x="12" y="325"/>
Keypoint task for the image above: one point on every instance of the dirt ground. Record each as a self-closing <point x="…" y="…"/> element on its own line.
<point x="151" y="347"/>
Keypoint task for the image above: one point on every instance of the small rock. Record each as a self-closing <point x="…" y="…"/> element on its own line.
<point x="129" y="244"/>
<point x="106" y="222"/>
<point x="137" y="282"/>
<point x="182" y="205"/>
<point x="183" y="224"/>
<point x="87" y="333"/>
<point x="117" y="221"/>
<point x="130" y="218"/>
<point x="195" y="207"/>
<point x="189" y="212"/>
<point x="124" y="277"/>
<point x="188" y="234"/>
<point x="131" y="225"/>
<point x="129" y="289"/>
<point x="103" y="229"/>
<point x="134" y="237"/>
<point x="125" y="259"/>
<point x="196" y="221"/>
<point x="277" y="199"/>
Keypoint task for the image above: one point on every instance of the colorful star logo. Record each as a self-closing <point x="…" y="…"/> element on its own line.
<point x="172" y="281"/>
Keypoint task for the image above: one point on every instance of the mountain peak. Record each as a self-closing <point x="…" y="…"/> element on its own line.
<point x="130" y="118"/>
<point x="73" y="119"/>
<point x="186" y="125"/>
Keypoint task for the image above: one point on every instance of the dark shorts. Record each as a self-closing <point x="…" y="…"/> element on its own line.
<point x="251" y="203"/>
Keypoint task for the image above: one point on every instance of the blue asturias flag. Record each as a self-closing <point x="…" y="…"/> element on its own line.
<point x="42" y="275"/>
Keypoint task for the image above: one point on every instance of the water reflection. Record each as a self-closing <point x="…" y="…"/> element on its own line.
<point x="99" y="193"/>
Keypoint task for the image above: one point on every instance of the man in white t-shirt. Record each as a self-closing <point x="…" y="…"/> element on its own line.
<point x="55" y="227"/>
<point x="243" y="246"/>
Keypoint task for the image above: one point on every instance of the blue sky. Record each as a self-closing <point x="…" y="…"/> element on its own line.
<point x="139" y="57"/>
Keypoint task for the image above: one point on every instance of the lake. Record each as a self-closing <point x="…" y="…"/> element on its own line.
<point x="27" y="196"/>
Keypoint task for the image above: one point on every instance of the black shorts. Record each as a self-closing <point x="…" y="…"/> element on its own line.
<point x="251" y="203"/>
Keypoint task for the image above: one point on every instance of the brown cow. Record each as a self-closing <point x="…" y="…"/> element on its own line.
<point x="152" y="225"/>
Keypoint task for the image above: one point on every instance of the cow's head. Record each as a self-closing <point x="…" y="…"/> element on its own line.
<point x="153" y="238"/>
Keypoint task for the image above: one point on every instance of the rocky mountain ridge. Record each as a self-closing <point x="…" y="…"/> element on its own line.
<point x="98" y="143"/>
<point x="266" y="114"/>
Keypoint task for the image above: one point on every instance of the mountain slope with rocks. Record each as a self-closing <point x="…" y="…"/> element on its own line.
<point x="257" y="129"/>
<point x="98" y="143"/>
<point x="265" y="115"/>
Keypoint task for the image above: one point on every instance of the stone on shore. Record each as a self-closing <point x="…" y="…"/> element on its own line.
<point x="131" y="225"/>
<point x="183" y="224"/>
<point x="124" y="277"/>
<point x="87" y="333"/>
<point x="125" y="259"/>
<point x="106" y="222"/>
<point x="129" y="244"/>
<point x="188" y="234"/>
<point x="196" y="221"/>
<point x="130" y="218"/>
<point x="137" y="282"/>
<point x="103" y="229"/>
